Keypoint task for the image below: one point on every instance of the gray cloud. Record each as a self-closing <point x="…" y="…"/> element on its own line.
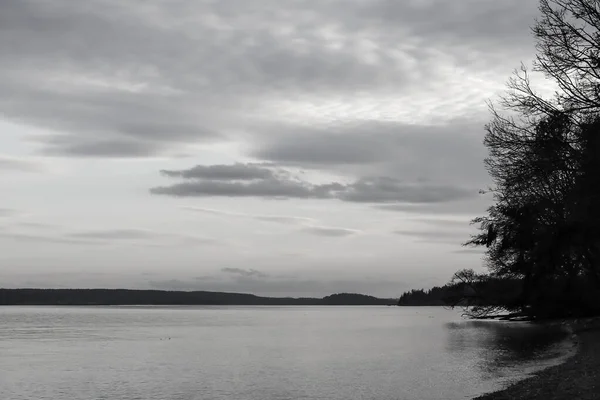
<point x="440" y="230"/>
<point x="104" y="236"/>
<point x="18" y="164"/>
<point x="387" y="94"/>
<point x="245" y="272"/>
<point x="282" y="219"/>
<point x="450" y="151"/>
<point x="237" y="171"/>
<point x="94" y="147"/>
<point x="36" y="225"/>
<point x="364" y="190"/>
<point x="115" y="234"/>
<point x="272" y="188"/>
<point x="8" y="212"/>
<point x="457" y="224"/>
<point x="319" y="146"/>
<point x="454" y="231"/>
<point x="308" y="225"/>
<point x="362" y="142"/>
<point x="138" y="235"/>
<point x="330" y="231"/>
<point x="136" y="81"/>
<point x="473" y="24"/>
<point x="27" y="237"/>
<point x="466" y="208"/>
<point x="447" y="237"/>
<point x="390" y="190"/>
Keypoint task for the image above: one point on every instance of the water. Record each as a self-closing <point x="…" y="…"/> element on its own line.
<point x="260" y="353"/>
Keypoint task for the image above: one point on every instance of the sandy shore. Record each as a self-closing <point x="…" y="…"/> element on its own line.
<point x="578" y="378"/>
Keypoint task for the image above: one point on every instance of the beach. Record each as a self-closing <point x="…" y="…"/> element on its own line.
<point x="577" y="378"/>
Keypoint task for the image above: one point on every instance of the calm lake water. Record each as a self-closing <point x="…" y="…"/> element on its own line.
<point x="261" y="353"/>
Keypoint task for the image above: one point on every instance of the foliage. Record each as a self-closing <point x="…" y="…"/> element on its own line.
<point x="435" y="296"/>
<point x="542" y="236"/>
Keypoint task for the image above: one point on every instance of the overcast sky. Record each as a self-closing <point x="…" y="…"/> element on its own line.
<point x="279" y="147"/>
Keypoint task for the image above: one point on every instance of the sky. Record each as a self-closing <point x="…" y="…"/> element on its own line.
<point x="274" y="147"/>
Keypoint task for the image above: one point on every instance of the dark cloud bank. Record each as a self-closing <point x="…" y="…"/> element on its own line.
<point x="251" y="181"/>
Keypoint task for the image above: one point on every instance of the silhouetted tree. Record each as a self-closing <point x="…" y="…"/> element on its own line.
<point x="544" y="158"/>
<point x="568" y="53"/>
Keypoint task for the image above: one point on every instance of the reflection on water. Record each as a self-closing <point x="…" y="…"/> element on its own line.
<point x="503" y="346"/>
<point x="259" y="353"/>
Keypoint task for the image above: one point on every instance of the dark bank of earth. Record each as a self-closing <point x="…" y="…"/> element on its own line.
<point x="578" y="378"/>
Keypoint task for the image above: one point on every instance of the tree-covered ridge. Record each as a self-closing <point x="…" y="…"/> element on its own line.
<point x="161" y="297"/>
<point x="542" y="235"/>
<point x="436" y="296"/>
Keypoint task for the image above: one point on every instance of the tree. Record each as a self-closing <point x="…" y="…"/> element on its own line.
<point x="568" y="53"/>
<point x="482" y="295"/>
<point x="544" y="158"/>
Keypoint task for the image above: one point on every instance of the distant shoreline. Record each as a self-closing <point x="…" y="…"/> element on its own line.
<point x="133" y="297"/>
<point x="578" y="377"/>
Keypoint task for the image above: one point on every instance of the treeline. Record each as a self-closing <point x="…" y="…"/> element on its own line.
<point x="79" y="297"/>
<point x="457" y="294"/>
<point x="436" y="296"/>
<point x="542" y="234"/>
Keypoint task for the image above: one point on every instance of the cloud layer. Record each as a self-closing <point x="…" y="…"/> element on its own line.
<point x="388" y="95"/>
<point x="125" y="236"/>
<point x="363" y="115"/>
<point x="116" y="80"/>
<point x="17" y="164"/>
<point x="305" y="225"/>
<point x="262" y="182"/>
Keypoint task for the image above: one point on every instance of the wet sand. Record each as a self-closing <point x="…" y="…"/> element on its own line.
<point x="578" y="378"/>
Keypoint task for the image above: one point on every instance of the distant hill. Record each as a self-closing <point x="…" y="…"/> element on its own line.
<point x="160" y="297"/>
